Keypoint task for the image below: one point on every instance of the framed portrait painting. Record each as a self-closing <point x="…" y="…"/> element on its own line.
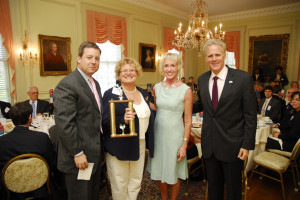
<point x="55" y="55"/>
<point x="266" y="52"/>
<point x="147" y="54"/>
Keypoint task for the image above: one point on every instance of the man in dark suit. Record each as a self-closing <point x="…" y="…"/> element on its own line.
<point x="5" y="107"/>
<point x="229" y="122"/>
<point x="21" y="140"/>
<point x="270" y="106"/>
<point x="257" y="76"/>
<point x="279" y="77"/>
<point x="38" y="106"/>
<point x="78" y="114"/>
<point x="191" y="80"/>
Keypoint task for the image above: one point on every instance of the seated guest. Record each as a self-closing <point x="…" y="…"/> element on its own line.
<point x="269" y="106"/>
<point x="195" y="96"/>
<point x="20" y="141"/>
<point x="257" y="76"/>
<point x="4" y="109"/>
<point x="277" y="95"/>
<point x="295" y="84"/>
<point x="289" y="130"/>
<point x="288" y="97"/>
<point x="38" y="106"/>
<point x="279" y="77"/>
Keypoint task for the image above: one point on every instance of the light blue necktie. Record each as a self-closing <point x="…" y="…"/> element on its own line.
<point x="33" y="109"/>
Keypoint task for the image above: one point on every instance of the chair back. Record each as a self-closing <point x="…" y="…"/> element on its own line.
<point x="296" y="151"/>
<point x="25" y="173"/>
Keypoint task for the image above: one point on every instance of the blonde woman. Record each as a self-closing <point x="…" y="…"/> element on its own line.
<point x="125" y="156"/>
<point x="172" y="99"/>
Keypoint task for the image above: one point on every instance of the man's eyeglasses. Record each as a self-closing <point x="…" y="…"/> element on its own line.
<point x="34" y="92"/>
<point x="295" y="99"/>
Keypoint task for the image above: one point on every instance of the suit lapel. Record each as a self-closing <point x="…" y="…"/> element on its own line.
<point x="87" y="90"/>
<point x="206" y="91"/>
<point x="229" y="81"/>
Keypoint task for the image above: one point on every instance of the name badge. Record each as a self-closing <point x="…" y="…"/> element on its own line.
<point x="269" y="107"/>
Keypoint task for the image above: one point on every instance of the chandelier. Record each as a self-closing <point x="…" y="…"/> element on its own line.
<point x="198" y="32"/>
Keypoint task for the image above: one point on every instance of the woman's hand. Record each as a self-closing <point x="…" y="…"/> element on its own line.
<point x="128" y="115"/>
<point x="181" y="153"/>
<point x="275" y="134"/>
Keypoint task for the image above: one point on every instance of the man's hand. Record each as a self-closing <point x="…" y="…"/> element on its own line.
<point x="243" y="154"/>
<point x="81" y="161"/>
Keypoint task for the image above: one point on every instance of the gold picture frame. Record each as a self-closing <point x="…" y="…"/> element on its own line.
<point x="147" y="53"/>
<point x="55" y="55"/>
<point x="122" y="126"/>
<point x="266" y="52"/>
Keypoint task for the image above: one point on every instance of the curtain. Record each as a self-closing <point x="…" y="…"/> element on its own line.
<point x="232" y="40"/>
<point x="168" y="40"/>
<point x="6" y="32"/>
<point x="102" y="27"/>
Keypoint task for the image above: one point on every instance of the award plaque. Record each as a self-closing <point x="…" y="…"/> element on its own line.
<point x="113" y="122"/>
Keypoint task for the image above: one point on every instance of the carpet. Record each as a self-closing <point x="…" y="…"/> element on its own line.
<point x="150" y="190"/>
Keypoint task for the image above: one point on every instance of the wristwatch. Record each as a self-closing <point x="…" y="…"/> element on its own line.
<point x="185" y="139"/>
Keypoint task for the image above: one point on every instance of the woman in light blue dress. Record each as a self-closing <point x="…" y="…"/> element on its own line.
<point x="172" y="127"/>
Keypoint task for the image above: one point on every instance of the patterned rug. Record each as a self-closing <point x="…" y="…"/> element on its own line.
<point x="150" y="190"/>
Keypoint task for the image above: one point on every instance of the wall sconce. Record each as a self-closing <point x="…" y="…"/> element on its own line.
<point x="26" y="52"/>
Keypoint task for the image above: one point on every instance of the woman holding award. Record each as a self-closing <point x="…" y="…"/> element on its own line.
<point x="172" y="99"/>
<point x="125" y="156"/>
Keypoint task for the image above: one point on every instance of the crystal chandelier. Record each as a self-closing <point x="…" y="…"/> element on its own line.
<point x="198" y="32"/>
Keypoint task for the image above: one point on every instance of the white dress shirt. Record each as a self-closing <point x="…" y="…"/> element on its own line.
<point x="220" y="81"/>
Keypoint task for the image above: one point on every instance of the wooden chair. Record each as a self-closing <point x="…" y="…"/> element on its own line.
<point x="190" y="163"/>
<point x="278" y="163"/>
<point x="25" y="173"/>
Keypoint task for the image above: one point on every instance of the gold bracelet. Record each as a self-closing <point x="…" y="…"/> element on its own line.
<point x="185" y="139"/>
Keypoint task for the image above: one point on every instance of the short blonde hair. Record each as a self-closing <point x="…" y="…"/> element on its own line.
<point x="130" y="61"/>
<point x="214" y="42"/>
<point x="172" y="56"/>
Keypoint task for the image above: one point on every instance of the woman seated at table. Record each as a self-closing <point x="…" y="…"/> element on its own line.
<point x="126" y="155"/>
<point x="290" y="134"/>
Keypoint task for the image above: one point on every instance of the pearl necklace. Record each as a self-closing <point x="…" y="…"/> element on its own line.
<point x="130" y="92"/>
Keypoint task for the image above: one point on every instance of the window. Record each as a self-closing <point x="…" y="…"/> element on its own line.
<point x="230" y="60"/>
<point x="4" y="77"/>
<point x="110" y="55"/>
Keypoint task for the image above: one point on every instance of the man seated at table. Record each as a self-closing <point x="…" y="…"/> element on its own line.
<point x="289" y="133"/>
<point x="4" y="108"/>
<point x="277" y="95"/>
<point x="270" y="106"/>
<point x="38" y="106"/>
<point x="20" y="141"/>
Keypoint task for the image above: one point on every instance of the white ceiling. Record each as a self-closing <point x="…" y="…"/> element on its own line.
<point x="181" y="8"/>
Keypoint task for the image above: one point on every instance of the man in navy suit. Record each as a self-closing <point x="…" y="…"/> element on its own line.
<point x="5" y="107"/>
<point x="40" y="106"/>
<point x="229" y="122"/>
<point x="21" y="140"/>
<point x="270" y="106"/>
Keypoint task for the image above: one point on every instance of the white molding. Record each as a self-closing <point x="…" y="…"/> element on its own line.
<point x="257" y="12"/>
<point x="163" y="8"/>
<point x="160" y="7"/>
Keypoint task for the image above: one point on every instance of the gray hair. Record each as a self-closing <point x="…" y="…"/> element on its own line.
<point x="214" y="42"/>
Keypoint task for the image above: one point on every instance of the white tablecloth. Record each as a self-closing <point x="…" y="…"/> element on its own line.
<point x="262" y="134"/>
